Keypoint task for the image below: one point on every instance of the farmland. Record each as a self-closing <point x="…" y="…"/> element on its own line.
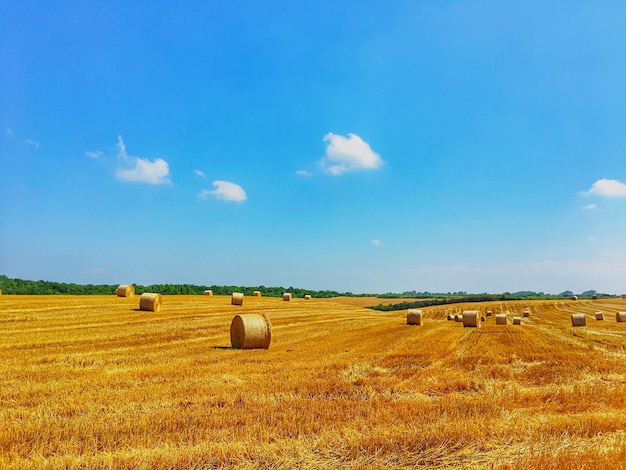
<point x="92" y="382"/>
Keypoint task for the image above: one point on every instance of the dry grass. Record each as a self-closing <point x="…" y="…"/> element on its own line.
<point x="90" y="382"/>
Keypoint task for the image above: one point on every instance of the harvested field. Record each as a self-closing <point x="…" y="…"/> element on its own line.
<point x="92" y="382"/>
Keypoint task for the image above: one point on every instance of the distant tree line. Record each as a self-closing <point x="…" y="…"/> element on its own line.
<point x="24" y="287"/>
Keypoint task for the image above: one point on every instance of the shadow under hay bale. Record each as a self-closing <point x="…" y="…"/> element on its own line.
<point x="150" y="302"/>
<point x="471" y="319"/>
<point x="250" y="331"/>
<point x="236" y="298"/>
<point x="579" y="319"/>
<point x="125" y="290"/>
<point x="414" y="317"/>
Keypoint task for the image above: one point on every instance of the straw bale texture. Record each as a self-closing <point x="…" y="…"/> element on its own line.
<point x="471" y="319"/>
<point x="236" y="298"/>
<point x="599" y="316"/>
<point x="208" y="292"/>
<point x="256" y="293"/>
<point x="620" y="316"/>
<point x="414" y="317"/>
<point x="287" y="296"/>
<point x="125" y="290"/>
<point x="150" y="302"/>
<point x="517" y="320"/>
<point x="501" y="319"/>
<point x="250" y="331"/>
<point x="579" y="319"/>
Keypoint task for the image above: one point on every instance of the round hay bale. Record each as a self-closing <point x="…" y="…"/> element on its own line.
<point x="471" y="319"/>
<point x="501" y="319"/>
<point x="208" y="292"/>
<point x="458" y="318"/>
<point x="450" y="317"/>
<point x="526" y="313"/>
<point x="150" y="302"/>
<point x="414" y="317"/>
<point x="517" y="320"/>
<point x="579" y="319"/>
<point x="125" y="290"/>
<point x="620" y="317"/>
<point x="489" y="313"/>
<point x="250" y="331"/>
<point x="256" y="293"/>
<point x="307" y="297"/>
<point x="574" y="297"/>
<point x="599" y="316"/>
<point x="482" y="319"/>
<point x="236" y="298"/>
<point x="287" y="296"/>
<point x="623" y="296"/>
<point x="594" y="297"/>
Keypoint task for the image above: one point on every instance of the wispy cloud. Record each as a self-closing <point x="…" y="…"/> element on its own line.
<point x="376" y="242"/>
<point x="346" y="154"/>
<point x="140" y="170"/>
<point x="225" y="191"/>
<point x="97" y="155"/>
<point x="590" y="207"/>
<point x="32" y="143"/>
<point x="199" y="173"/>
<point x="303" y="173"/>
<point x="607" y="188"/>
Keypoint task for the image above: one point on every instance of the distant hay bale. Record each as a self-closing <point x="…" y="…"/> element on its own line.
<point x="483" y="319"/>
<point x="517" y="320"/>
<point x="599" y="316"/>
<point x="307" y="297"/>
<point x="574" y="297"/>
<point x="526" y="313"/>
<point x="501" y="319"/>
<point x="489" y="313"/>
<point x="250" y="331"/>
<point x="236" y="298"/>
<point x="450" y="317"/>
<point x="125" y="290"/>
<point x="579" y="319"/>
<point x="256" y="293"/>
<point x="594" y="297"/>
<point x="287" y="296"/>
<point x="458" y="318"/>
<point x="620" y="317"/>
<point x="0" y="291"/>
<point x="414" y="317"/>
<point x="471" y="319"/>
<point x="623" y="296"/>
<point x="208" y="292"/>
<point x="150" y="302"/>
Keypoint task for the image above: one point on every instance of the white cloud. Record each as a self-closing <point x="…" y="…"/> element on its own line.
<point x="376" y="242"/>
<point x="608" y="188"/>
<point x="199" y="173"/>
<point x="225" y="191"/>
<point x="95" y="155"/>
<point x="33" y="143"/>
<point x="303" y="173"/>
<point x="590" y="207"/>
<point x="141" y="170"/>
<point x="345" y="154"/>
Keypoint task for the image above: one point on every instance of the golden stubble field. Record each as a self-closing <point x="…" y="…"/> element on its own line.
<point x="92" y="382"/>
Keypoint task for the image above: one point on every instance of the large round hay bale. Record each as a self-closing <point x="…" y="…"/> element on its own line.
<point x="150" y="302"/>
<point x="125" y="290"/>
<point x="208" y="292"/>
<point x="414" y="317"/>
<point x="250" y="331"/>
<point x="471" y="319"/>
<point x="526" y="313"/>
<point x="579" y="319"/>
<point x="599" y="316"/>
<point x="501" y="319"/>
<point x="307" y="297"/>
<point x="256" y="293"/>
<point x="287" y="296"/>
<point x="236" y="298"/>
<point x="517" y="320"/>
<point x="620" y="317"/>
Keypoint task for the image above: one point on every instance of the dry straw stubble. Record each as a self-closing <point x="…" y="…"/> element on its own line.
<point x="250" y="331"/>
<point x="150" y="302"/>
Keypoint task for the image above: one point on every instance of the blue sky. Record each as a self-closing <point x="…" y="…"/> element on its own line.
<point x="355" y="146"/>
